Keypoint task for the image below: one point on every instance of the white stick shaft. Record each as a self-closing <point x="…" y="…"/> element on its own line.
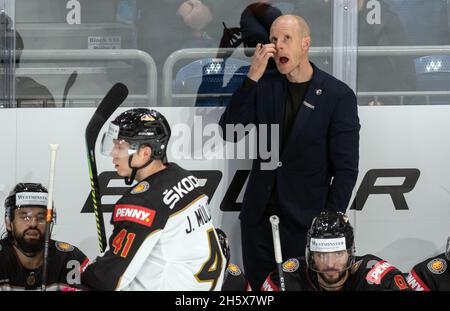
<point x="53" y="149"/>
<point x="276" y="238"/>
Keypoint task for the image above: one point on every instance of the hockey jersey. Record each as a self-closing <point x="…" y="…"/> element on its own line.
<point x="430" y="275"/>
<point x="163" y="239"/>
<point x="368" y="273"/>
<point x="65" y="263"/>
<point x="235" y="279"/>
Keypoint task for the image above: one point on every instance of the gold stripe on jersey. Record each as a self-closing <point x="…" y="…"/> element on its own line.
<point x="189" y="205"/>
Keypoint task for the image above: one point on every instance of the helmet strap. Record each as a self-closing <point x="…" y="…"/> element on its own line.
<point x="129" y="180"/>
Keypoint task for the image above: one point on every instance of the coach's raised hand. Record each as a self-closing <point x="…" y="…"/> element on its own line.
<point x="260" y="59"/>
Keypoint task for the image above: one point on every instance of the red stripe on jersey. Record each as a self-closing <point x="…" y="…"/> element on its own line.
<point x="378" y="271"/>
<point x="248" y="287"/>
<point x="269" y="286"/>
<point x="415" y="282"/>
<point x="134" y="213"/>
<point x="84" y="264"/>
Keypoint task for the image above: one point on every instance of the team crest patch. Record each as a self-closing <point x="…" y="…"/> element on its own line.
<point x="64" y="247"/>
<point x="234" y="270"/>
<point x="141" y="187"/>
<point x="291" y="265"/>
<point x="355" y="266"/>
<point x="437" y="266"/>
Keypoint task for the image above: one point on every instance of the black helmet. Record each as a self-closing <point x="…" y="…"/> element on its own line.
<point x="25" y="194"/>
<point x="330" y="232"/>
<point x="138" y="127"/>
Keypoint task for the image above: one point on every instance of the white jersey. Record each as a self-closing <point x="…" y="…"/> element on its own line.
<point x="163" y="239"/>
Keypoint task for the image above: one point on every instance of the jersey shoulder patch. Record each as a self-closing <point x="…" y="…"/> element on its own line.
<point x="234" y="270"/>
<point x="64" y="247"/>
<point x="291" y="265"/>
<point x="140" y="187"/>
<point x="437" y="265"/>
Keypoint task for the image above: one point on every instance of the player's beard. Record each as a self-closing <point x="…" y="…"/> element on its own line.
<point x="331" y="283"/>
<point x="29" y="246"/>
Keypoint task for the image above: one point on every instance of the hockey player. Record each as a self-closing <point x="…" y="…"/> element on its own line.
<point x="21" y="250"/>
<point x="163" y="237"/>
<point x="234" y="279"/>
<point x="431" y="274"/>
<point x="331" y="264"/>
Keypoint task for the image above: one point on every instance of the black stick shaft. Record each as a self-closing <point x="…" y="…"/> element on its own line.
<point x="45" y="263"/>
<point x="112" y="100"/>
<point x="281" y="275"/>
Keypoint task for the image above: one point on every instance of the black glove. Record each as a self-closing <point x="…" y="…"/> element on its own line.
<point x="231" y="38"/>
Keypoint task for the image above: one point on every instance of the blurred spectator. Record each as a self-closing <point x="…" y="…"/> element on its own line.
<point x="425" y="22"/>
<point x="28" y="92"/>
<point x="170" y="25"/>
<point x="255" y="23"/>
<point x="379" y="26"/>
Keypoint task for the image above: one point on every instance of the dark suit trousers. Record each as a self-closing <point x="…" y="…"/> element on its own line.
<point x="257" y="247"/>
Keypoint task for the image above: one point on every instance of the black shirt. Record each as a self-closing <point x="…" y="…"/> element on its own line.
<point x="296" y="95"/>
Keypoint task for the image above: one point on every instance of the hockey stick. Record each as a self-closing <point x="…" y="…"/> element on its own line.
<point x="69" y="84"/>
<point x="274" y="220"/>
<point x="49" y="216"/>
<point x="113" y="99"/>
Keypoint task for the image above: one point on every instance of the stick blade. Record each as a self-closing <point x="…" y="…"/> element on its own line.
<point x="112" y="100"/>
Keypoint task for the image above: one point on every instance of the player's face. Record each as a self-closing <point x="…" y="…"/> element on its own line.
<point x="28" y="228"/>
<point x="332" y="266"/>
<point x="120" y="155"/>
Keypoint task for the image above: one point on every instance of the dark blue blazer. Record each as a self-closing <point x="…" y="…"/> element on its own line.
<point x="319" y="159"/>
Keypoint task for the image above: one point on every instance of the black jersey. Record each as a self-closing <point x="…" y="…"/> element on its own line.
<point x="368" y="273"/>
<point x="430" y="275"/>
<point x="65" y="263"/>
<point x="235" y="279"/>
<point x="163" y="239"/>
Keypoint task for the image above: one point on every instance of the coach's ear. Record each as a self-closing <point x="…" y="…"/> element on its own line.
<point x="306" y="42"/>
